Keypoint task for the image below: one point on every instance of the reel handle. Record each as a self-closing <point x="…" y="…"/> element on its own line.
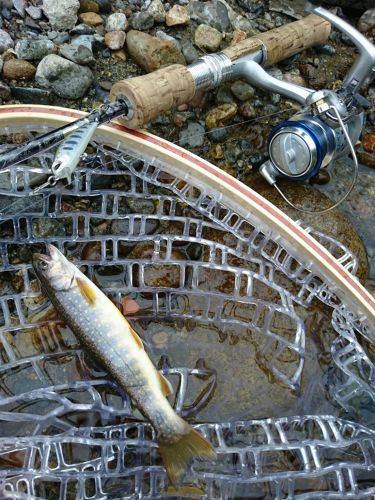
<point x="153" y="94"/>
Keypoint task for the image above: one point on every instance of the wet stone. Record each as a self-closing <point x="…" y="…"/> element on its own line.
<point x="192" y="136"/>
<point x="367" y="21"/>
<point x="6" y="41"/>
<point x="116" y="22"/>
<point x="82" y="29"/>
<point x="164" y="36"/>
<point x="207" y="38"/>
<point x="115" y="40"/>
<point x="31" y="49"/>
<point x="79" y="54"/>
<point x="368" y="142"/>
<point x="142" y="21"/>
<point x="30" y="95"/>
<point x="213" y="13"/>
<point x="218" y="134"/>
<point x="150" y="52"/>
<point x="157" y="11"/>
<point x="91" y="18"/>
<point x="18" y="69"/>
<point x="65" y="78"/>
<point x="5" y="91"/>
<point x="189" y="51"/>
<point x="62" y="14"/>
<point x="177" y="15"/>
<point x="47" y="228"/>
<point x="88" y="6"/>
<point x="218" y="116"/>
<point x="20" y="5"/>
<point x="242" y="90"/>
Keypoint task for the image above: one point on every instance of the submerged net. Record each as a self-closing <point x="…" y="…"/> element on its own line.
<point x="240" y="327"/>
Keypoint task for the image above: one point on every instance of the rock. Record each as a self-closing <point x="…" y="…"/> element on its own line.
<point x="115" y="40"/>
<point x="47" y="227"/>
<point x="189" y="51"/>
<point x="20" y="5"/>
<point x="82" y="29"/>
<point x="218" y="134"/>
<point x="142" y="21"/>
<point x="242" y="90"/>
<point x="58" y="37"/>
<point x="5" y="91"/>
<point x="156" y="274"/>
<point x="157" y="11"/>
<point x="62" y="14"/>
<point x="332" y="223"/>
<point x="90" y="41"/>
<point x="30" y="95"/>
<point x="105" y="6"/>
<point x="31" y="49"/>
<point x="151" y="53"/>
<point x="6" y="41"/>
<point x="192" y="136"/>
<point x="367" y="159"/>
<point x="216" y="117"/>
<point x="239" y="22"/>
<point x="238" y="36"/>
<point x="119" y="54"/>
<point x="91" y="18"/>
<point x="177" y="15"/>
<point x="217" y="152"/>
<point x="325" y="49"/>
<point x="89" y="6"/>
<point x="368" y="142"/>
<point x="163" y="36"/>
<point x="247" y="110"/>
<point x="367" y="21"/>
<point x="18" y="69"/>
<point x="224" y="94"/>
<point x="207" y="38"/>
<point x="79" y="54"/>
<point x="116" y="22"/>
<point x="64" y="77"/>
<point x="213" y="13"/>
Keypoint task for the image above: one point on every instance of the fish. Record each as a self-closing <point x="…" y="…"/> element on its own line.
<point x="105" y="333"/>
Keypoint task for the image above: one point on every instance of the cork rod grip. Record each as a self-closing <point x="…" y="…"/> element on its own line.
<point x="284" y="42"/>
<point x="167" y="88"/>
<point x="155" y="93"/>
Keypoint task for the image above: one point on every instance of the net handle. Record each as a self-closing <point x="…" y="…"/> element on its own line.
<point x="167" y="88"/>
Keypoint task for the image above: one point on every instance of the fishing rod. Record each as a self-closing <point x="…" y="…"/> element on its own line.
<point x="327" y="127"/>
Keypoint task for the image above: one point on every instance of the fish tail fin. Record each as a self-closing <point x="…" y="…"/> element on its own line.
<point x="177" y="455"/>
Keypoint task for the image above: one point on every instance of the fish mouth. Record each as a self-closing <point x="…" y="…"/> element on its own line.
<point x="41" y="257"/>
<point x="53" y="254"/>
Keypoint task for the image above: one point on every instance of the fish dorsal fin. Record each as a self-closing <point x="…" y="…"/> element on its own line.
<point x="165" y="385"/>
<point x="136" y="338"/>
<point x="87" y="291"/>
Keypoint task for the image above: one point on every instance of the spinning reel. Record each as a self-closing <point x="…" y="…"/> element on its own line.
<point x="329" y="123"/>
<point x="327" y="126"/>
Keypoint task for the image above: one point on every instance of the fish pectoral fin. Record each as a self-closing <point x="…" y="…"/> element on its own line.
<point x="165" y="385"/>
<point x="137" y="338"/>
<point x="87" y="292"/>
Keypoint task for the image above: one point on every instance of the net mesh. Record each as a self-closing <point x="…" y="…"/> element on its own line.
<point x="208" y="282"/>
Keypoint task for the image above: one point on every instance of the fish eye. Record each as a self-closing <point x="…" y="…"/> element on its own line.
<point x="43" y="265"/>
